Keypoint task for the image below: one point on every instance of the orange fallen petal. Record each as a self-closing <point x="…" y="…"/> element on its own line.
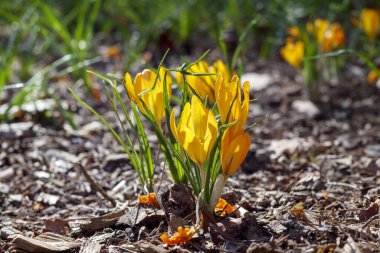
<point x="297" y="210"/>
<point x="181" y="237"/>
<point x="149" y="200"/>
<point x="299" y="214"/>
<point x="224" y="208"/>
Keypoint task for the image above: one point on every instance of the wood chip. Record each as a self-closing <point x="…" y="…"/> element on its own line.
<point x="44" y="243"/>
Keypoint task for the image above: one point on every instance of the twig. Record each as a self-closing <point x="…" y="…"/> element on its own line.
<point x="94" y="184"/>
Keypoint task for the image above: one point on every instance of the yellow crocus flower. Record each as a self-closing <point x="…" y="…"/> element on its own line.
<point x="197" y="130"/>
<point x="234" y="149"/>
<point x="153" y="99"/>
<point x="221" y="68"/>
<point x="334" y="38"/>
<point x="235" y="110"/>
<point x="294" y="32"/>
<point x="320" y="28"/>
<point x="329" y="36"/>
<point x="204" y="85"/>
<point x="293" y="52"/>
<point x="370" y="22"/>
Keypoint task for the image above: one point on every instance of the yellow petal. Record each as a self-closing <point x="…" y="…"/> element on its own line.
<point x="223" y="208"/>
<point x="244" y="108"/>
<point x="149" y="200"/>
<point x="198" y="116"/>
<point x="173" y="126"/>
<point x="234" y="150"/>
<point x="192" y="145"/>
<point x="221" y="97"/>
<point x="130" y="88"/>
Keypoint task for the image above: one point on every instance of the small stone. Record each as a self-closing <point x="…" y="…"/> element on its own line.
<point x="277" y="227"/>
<point x="257" y="81"/>
<point x="372" y="150"/>
<point x="42" y="174"/>
<point x="278" y="147"/>
<point x="15" y="197"/>
<point x="305" y="107"/>
<point x="61" y="166"/>
<point x="4" y="188"/>
<point x="6" y="174"/>
<point x="47" y="198"/>
<point x="91" y="129"/>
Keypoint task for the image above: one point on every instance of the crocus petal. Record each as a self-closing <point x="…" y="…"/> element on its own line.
<point x="244" y="108"/>
<point x="181" y="237"/>
<point x="173" y="126"/>
<point x="223" y="208"/>
<point x="197" y="130"/>
<point x="234" y="150"/>
<point x="129" y="87"/>
<point x="198" y="113"/>
<point x="149" y="200"/>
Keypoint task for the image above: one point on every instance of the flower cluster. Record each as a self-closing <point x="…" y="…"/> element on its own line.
<point x="320" y="37"/>
<point x="328" y="37"/>
<point x="207" y="133"/>
<point x="205" y="140"/>
<point x="201" y="132"/>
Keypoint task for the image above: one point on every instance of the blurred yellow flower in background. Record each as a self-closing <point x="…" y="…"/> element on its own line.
<point x="334" y="38"/>
<point x="370" y="22"/>
<point x="293" y="52"/>
<point x="320" y="29"/>
<point x="330" y="36"/>
<point x="294" y="32"/>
